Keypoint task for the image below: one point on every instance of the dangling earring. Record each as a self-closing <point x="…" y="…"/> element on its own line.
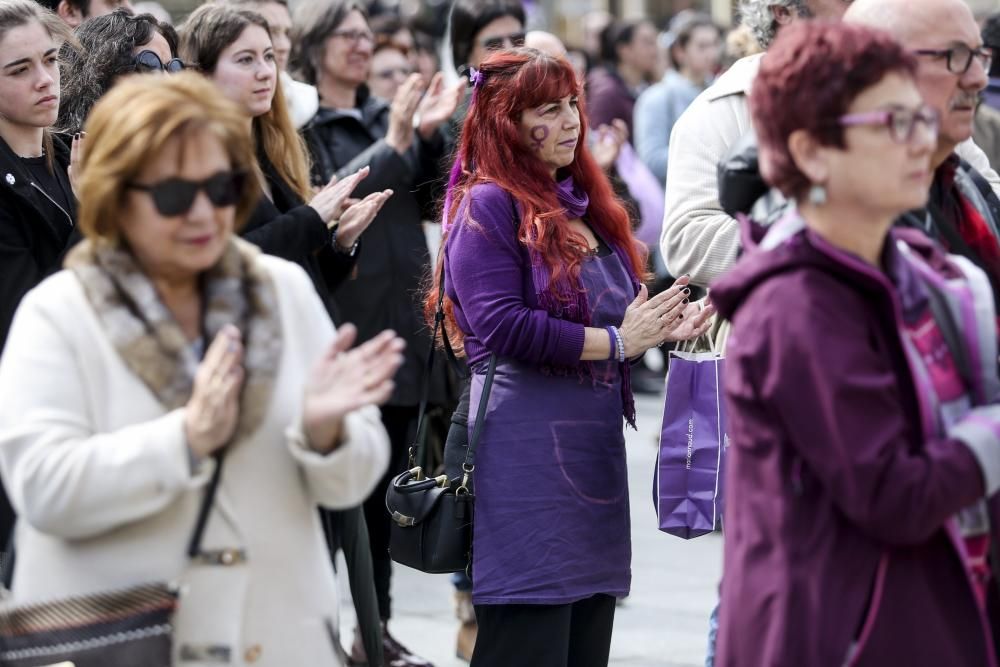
<point x="817" y="195"/>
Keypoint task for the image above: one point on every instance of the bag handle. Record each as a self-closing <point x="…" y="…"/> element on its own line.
<point x="194" y="544"/>
<point x="470" y="454"/>
<point x="418" y="449"/>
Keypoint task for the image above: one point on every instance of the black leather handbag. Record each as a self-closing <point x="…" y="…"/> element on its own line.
<point x="431" y="527"/>
<point x="119" y="628"/>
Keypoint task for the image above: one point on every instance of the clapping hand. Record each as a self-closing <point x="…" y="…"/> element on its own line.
<point x="358" y="215"/>
<point x="404" y="105"/>
<point x="695" y="320"/>
<point x="347" y="379"/>
<point x="75" y="160"/>
<point x="211" y="414"/>
<point x="330" y="201"/>
<point x="438" y="105"/>
<point x="609" y="142"/>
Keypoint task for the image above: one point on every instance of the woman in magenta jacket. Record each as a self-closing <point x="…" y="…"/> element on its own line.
<point x="861" y="383"/>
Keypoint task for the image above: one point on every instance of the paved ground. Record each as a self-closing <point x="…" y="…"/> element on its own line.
<point x="663" y="623"/>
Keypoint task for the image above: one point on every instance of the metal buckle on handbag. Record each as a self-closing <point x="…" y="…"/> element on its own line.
<point x="466" y="471"/>
<point x="403" y="520"/>
<point x="217" y="653"/>
<point x="225" y="557"/>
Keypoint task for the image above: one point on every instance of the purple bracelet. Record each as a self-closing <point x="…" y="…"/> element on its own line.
<point x="614" y="344"/>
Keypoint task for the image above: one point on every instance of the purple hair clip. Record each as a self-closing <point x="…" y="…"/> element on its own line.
<point x="476" y="78"/>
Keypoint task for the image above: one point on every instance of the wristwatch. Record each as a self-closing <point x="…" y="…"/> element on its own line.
<point x="350" y="252"/>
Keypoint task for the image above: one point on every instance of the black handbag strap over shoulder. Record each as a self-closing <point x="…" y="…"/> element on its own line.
<point x="470" y="454"/>
<point x="194" y="545"/>
<point x="421" y="443"/>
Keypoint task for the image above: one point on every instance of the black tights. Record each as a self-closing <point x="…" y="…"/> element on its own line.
<point x="567" y="635"/>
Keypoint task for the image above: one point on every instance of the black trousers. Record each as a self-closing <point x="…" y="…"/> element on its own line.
<point x="401" y="424"/>
<point x="527" y="635"/>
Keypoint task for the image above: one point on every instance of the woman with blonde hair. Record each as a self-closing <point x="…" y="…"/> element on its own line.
<point x="167" y="349"/>
<point x="233" y="48"/>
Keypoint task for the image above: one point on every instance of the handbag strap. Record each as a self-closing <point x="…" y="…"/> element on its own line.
<point x="470" y="454"/>
<point x="194" y="544"/>
<point x="418" y="450"/>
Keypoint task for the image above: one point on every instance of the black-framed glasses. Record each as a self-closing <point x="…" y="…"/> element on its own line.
<point x="148" y="61"/>
<point x="175" y="196"/>
<point x="959" y="57"/>
<point x="354" y="36"/>
<point x="503" y="41"/>
<point x="902" y="123"/>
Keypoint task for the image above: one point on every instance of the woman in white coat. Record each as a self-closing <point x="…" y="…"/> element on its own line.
<point x="166" y="342"/>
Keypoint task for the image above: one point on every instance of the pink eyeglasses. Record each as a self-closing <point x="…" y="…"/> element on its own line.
<point x="902" y="123"/>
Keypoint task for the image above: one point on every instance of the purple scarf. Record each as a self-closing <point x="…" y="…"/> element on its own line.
<point x="570" y="303"/>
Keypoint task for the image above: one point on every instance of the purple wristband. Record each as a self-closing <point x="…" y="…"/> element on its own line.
<point x="614" y="344"/>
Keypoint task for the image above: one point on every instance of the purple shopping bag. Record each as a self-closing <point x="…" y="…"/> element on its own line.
<point x="687" y="486"/>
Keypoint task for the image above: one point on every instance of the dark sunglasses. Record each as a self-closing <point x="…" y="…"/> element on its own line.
<point x="175" y="196"/>
<point x="497" y="43"/>
<point x="147" y="61"/>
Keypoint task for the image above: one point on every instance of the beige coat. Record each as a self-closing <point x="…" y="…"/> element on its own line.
<point x="99" y="473"/>
<point x="698" y="238"/>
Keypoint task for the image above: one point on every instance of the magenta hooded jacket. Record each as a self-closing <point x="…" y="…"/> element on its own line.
<point x="841" y="546"/>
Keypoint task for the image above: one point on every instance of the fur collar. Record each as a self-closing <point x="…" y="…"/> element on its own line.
<point x="236" y="290"/>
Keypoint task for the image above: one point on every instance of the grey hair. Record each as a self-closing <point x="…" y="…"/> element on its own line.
<point x="757" y="15"/>
<point x="312" y="23"/>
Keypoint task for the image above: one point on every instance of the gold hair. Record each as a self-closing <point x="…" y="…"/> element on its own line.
<point x="133" y="122"/>
<point x="283" y="145"/>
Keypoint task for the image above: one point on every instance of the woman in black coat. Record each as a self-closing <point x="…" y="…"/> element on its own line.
<point x="37" y="206"/>
<point x="402" y="145"/>
<point x="233" y="47"/>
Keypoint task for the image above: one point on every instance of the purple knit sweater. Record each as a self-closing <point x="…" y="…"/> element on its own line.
<point x="488" y="276"/>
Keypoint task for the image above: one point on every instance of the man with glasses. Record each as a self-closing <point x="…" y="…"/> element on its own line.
<point x="963" y="212"/>
<point x="479" y="27"/>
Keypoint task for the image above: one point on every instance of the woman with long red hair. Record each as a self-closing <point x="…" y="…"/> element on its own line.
<point x="541" y="270"/>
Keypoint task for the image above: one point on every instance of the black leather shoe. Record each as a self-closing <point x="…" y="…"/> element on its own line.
<point x="396" y="655"/>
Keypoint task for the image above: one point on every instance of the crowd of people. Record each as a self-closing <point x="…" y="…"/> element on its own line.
<point x="222" y="245"/>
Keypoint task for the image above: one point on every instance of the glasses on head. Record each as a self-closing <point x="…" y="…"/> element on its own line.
<point x="354" y="36"/>
<point x="148" y="61"/>
<point x="175" y="196"/>
<point x="393" y="73"/>
<point x="902" y="123"/>
<point x="959" y="57"/>
<point x="503" y="41"/>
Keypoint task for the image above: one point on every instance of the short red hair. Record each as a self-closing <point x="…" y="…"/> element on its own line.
<point x="808" y="79"/>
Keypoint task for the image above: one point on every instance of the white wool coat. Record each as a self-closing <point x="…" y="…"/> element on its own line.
<point x="99" y="474"/>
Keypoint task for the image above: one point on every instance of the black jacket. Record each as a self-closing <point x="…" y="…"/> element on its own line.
<point x="286" y="227"/>
<point x="386" y="292"/>
<point x="33" y="243"/>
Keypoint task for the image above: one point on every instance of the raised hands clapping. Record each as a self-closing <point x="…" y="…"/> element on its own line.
<point x="346" y="379"/>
